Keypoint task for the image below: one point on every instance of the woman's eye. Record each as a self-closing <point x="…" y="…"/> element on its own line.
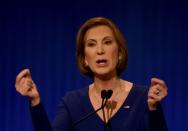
<point x="90" y="44"/>
<point x="108" y="42"/>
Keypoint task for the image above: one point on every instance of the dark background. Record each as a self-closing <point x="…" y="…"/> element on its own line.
<point x="41" y="36"/>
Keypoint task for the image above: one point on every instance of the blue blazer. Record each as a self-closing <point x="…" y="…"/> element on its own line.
<point x="133" y="115"/>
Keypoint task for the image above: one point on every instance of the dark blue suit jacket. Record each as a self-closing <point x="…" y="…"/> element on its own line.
<point x="133" y="115"/>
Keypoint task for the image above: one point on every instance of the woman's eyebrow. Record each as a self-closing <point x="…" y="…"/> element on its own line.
<point x="91" y="40"/>
<point x="105" y="38"/>
<point x="108" y="37"/>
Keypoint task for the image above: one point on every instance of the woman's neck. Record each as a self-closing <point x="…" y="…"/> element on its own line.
<point x="101" y="84"/>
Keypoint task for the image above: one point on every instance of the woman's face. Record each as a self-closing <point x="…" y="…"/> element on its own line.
<point x="101" y="50"/>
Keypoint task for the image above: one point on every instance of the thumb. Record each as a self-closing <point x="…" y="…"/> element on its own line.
<point x="28" y="73"/>
<point x="155" y="81"/>
<point x="24" y="73"/>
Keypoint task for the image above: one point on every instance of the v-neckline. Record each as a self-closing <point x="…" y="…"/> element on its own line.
<point x="126" y="101"/>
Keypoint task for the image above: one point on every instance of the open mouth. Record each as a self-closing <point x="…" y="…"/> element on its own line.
<point x="101" y="61"/>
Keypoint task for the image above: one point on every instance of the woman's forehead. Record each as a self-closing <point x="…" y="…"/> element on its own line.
<point x="99" y="32"/>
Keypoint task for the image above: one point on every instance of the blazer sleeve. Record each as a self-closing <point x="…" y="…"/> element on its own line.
<point x="40" y="118"/>
<point x="62" y="121"/>
<point x="157" y="120"/>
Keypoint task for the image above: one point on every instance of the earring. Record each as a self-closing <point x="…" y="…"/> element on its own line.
<point x="86" y="63"/>
<point x="119" y="57"/>
<point x="119" y="61"/>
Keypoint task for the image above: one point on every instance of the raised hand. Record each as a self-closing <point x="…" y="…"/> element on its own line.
<point x="26" y="86"/>
<point x="157" y="92"/>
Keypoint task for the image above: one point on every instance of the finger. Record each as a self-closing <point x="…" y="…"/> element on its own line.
<point x="158" y="89"/>
<point x="155" y="81"/>
<point x="28" y="82"/>
<point x="23" y="91"/>
<point x="20" y="84"/>
<point x="24" y="84"/>
<point x="27" y="86"/>
<point x="154" y="97"/>
<point x="24" y="73"/>
<point x="154" y="89"/>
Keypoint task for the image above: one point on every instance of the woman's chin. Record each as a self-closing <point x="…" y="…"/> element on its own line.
<point x="105" y="74"/>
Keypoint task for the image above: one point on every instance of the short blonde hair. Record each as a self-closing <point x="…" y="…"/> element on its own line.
<point x="80" y="46"/>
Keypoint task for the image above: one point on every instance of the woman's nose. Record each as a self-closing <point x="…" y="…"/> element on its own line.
<point x="100" y="50"/>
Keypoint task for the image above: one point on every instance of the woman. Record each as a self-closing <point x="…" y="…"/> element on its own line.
<point x="101" y="55"/>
